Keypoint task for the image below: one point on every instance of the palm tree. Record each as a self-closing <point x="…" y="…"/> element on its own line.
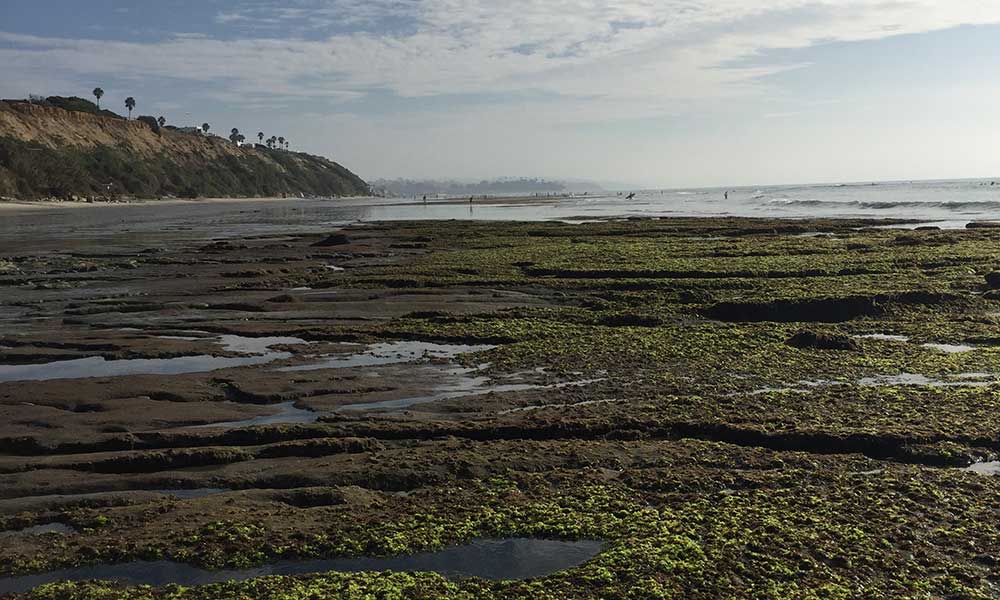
<point x="260" y="136"/>
<point x="161" y="121"/>
<point x="98" y="92"/>
<point x="287" y="144"/>
<point x="271" y="141"/>
<point x="130" y="104"/>
<point x="233" y="135"/>
<point x="281" y="142"/>
<point x="205" y="127"/>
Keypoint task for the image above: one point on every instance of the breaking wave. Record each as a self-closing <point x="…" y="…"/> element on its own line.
<point x="967" y="205"/>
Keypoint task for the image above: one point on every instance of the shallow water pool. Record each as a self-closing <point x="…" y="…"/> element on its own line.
<point x="287" y="413"/>
<point x="511" y="558"/>
<point x="985" y="468"/>
<point x="257" y="350"/>
<point x="391" y="353"/>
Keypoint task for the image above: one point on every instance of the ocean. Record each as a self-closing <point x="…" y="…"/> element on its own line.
<point x="952" y="203"/>
<point x="948" y="204"/>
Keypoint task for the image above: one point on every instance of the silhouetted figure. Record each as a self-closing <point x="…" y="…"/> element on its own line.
<point x="727" y="195"/>
<point x="630" y="196"/>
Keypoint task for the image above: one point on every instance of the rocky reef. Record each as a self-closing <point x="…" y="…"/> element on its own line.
<point x="737" y="410"/>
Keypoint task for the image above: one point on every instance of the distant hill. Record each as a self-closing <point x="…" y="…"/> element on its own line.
<point x="65" y="148"/>
<point x="505" y="186"/>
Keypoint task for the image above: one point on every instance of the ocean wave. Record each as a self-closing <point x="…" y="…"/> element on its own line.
<point x="890" y="204"/>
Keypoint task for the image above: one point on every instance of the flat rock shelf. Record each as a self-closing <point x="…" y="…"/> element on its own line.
<point x="735" y="409"/>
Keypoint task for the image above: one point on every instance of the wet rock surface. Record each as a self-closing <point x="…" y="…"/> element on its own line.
<point x="734" y="409"/>
<point x="823" y="341"/>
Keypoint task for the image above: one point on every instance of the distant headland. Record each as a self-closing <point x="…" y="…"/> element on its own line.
<point x="69" y="148"/>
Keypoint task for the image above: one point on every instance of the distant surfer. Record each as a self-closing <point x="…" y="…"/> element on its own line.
<point x="630" y="196"/>
<point x="727" y="194"/>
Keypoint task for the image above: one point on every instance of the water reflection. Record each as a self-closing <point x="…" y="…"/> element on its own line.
<point x="391" y="353"/>
<point x="949" y="203"/>
<point x="512" y="558"/>
<point x="287" y="413"/>
<point x="258" y="351"/>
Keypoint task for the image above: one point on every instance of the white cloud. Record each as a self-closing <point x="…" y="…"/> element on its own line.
<point x="231" y="17"/>
<point x="603" y="58"/>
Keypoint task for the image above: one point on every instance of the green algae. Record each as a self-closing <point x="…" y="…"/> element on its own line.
<point x="790" y="543"/>
<point x="632" y="302"/>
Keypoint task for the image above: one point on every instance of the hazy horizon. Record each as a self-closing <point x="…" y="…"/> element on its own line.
<point x="622" y="186"/>
<point x="677" y="94"/>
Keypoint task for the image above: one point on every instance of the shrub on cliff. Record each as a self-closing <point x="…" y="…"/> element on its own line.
<point x="78" y="104"/>
<point x="32" y="171"/>
<point x="29" y="170"/>
<point x="151" y="121"/>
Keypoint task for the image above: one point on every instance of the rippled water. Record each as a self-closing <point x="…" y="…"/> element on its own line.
<point x="287" y="413"/>
<point x="460" y="383"/>
<point x="513" y="558"/>
<point x="950" y="203"/>
<point x="258" y="351"/>
<point x="97" y="366"/>
<point x="390" y="353"/>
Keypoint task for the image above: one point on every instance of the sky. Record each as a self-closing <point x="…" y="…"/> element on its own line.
<point x="657" y="93"/>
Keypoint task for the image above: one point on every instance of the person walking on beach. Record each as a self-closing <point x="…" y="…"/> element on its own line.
<point x="727" y="194"/>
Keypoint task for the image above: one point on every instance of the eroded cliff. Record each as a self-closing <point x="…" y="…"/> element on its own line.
<point x="50" y="152"/>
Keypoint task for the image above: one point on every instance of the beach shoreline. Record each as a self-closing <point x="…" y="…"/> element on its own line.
<point x="947" y="204"/>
